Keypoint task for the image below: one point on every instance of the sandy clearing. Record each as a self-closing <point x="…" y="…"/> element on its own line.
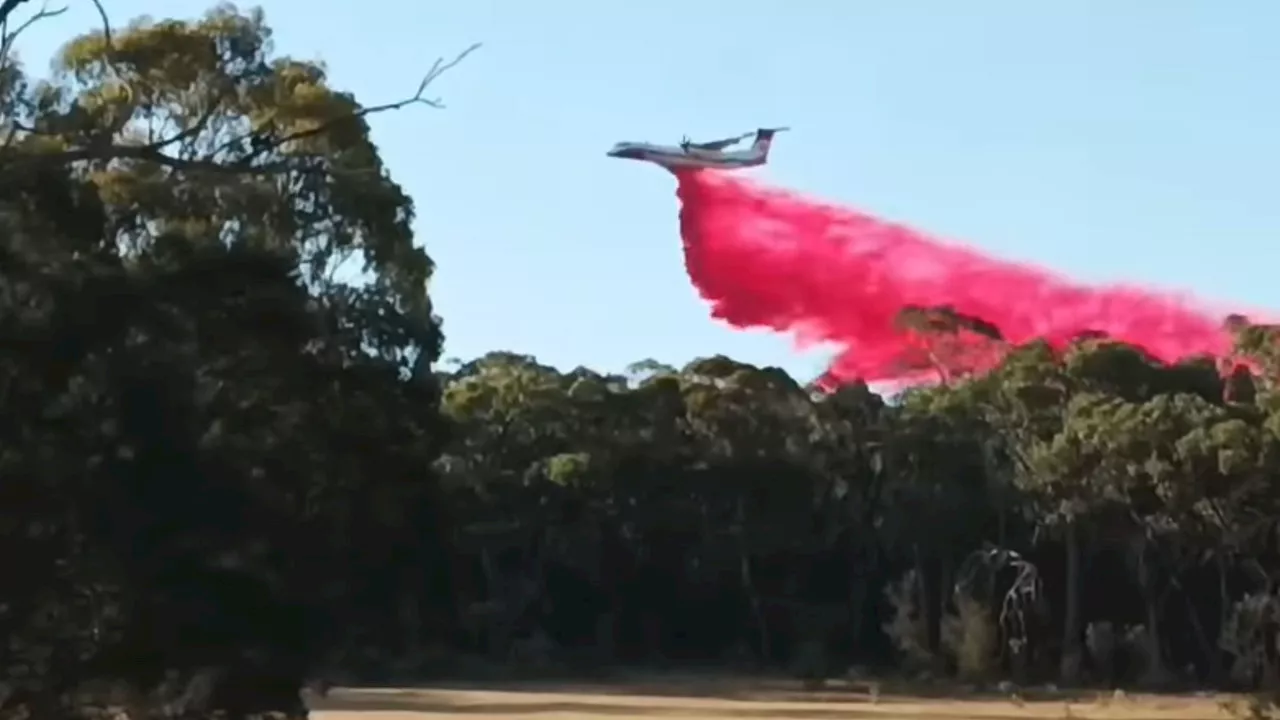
<point x="727" y="699"/>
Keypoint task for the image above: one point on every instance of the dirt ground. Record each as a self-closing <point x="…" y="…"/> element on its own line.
<point x="723" y="699"/>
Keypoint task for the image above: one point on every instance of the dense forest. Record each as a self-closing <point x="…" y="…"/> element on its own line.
<point x="226" y="470"/>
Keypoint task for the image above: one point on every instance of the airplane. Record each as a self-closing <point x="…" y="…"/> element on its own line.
<point x="713" y="155"/>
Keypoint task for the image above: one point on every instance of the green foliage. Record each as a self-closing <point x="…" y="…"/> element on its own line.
<point x="730" y="479"/>
<point x="210" y="447"/>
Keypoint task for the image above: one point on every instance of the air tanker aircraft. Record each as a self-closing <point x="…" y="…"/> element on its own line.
<point x="714" y="155"/>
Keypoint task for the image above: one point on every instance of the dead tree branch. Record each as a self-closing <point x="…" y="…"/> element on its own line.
<point x="106" y="27"/>
<point x="249" y="164"/>
<point x="7" y="38"/>
<point x="437" y="69"/>
<point x="6" y="9"/>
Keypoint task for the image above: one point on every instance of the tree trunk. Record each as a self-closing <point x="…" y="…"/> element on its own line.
<point x="1156" y="674"/>
<point x="410" y="612"/>
<point x="1211" y="654"/>
<point x="861" y="579"/>
<point x="1224" y="610"/>
<point x="1069" y="663"/>
<point x="930" y="600"/>
<point x="757" y="609"/>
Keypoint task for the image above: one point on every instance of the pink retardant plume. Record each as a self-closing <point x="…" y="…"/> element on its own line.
<point x="768" y="259"/>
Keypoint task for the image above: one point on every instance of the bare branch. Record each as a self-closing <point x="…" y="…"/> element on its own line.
<point x="193" y="131"/>
<point x="7" y="38"/>
<point x="439" y="68"/>
<point x="146" y="153"/>
<point x="245" y="165"/>
<point x="6" y="9"/>
<point x="106" y="27"/>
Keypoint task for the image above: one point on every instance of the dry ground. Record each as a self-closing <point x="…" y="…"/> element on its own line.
<point x="723" y="699"/>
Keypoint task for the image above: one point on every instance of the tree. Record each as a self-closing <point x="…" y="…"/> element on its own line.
<point x="950" y="343"/>
<point x="193" y="400"/>
<point x="743" y="500"/>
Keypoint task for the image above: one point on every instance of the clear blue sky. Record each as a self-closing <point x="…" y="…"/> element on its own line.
<point x="1110" y="139"/>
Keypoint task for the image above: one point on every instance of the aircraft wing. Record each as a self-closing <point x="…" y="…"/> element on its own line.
<point x="720" y="144"/>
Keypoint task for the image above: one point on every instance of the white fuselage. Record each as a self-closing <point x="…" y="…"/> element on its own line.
<point x="674" y="156"/>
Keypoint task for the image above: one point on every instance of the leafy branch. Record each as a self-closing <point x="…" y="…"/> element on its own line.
<point x="104" y="148"/>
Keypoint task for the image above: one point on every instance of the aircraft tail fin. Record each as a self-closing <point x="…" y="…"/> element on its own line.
<point x="764" y="139"/>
